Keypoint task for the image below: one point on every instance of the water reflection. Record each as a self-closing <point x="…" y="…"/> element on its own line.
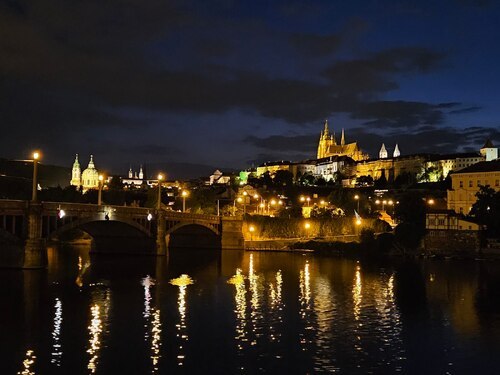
<point x="99" y="311"/>
<point x="238" y="280"/>
<point x="356" y="293"/>
<point x="27" y="363"/>
<point x="306" y="312"/>
<point x="276" y="307"/>
<point x="82" y="268"/>
<point x="255" y="302"/>
<point x="182" y="282"/>
<point x="56" y="334"/>
<point x="152" y="323"/>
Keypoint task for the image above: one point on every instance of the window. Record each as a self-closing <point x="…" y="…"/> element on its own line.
<point x="440" y="221"/>
<point x="461" y="210"/>
<point x="461" y="184"/>
<point x="497" y="182"/>
<point x="470" y="183"/>
<point x="478" y="182"/>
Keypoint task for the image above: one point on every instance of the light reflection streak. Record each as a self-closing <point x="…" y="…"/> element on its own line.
<point x="99" y="312"/>
<point x="182" y="282"/>
<point x="238" y="280"/>
<point x="275" y="290"/>
<point x="152" y="322"/>
<point x="155" y="340"/>
<point x="357" y="293"/>
<point x="305" y="304"/>
<point x="56" y="334"/>
<point x="255" y="313"/>
<point x="27" y="363"/>
<point x="82" y="268"/>
<point x="305" y="289"/>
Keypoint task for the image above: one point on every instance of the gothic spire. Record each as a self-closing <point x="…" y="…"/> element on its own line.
<point x="396" y="151"/>
<point x="342" y="139"/>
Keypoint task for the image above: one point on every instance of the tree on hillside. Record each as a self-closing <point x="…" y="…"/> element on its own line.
<point x="486" y="210"/>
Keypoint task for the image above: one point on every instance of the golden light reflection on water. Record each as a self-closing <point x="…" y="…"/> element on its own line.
<point x="152" y="323"/>
<point x="56" y="334"/>
<point x="238" y="280"/>
<point x="27" y="363"/>
<point x="82" y="268"/>
<point x="357" y="295"/>
<point x="305" y="289"/>
<point x="155" y="340"/>
<point x="305" y="311"/>
<point x="182" y="282"/>
<point x="255" y="302"/>
<point x="99" y="316"/>
<point x="276" y="304"/>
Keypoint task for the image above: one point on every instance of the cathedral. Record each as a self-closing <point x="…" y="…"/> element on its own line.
<point x="328" y="146"/>
<point x="89" y="179"/>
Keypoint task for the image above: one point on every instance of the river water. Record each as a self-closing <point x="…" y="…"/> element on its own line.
<point x="249" y="312"/>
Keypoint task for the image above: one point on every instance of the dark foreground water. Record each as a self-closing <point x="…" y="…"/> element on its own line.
<point x="243" y="312"/>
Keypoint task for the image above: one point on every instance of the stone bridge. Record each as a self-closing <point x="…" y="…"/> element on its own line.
<point x="114" y="229"/>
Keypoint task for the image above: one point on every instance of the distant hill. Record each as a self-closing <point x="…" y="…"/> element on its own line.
<point x="48" y="175"/>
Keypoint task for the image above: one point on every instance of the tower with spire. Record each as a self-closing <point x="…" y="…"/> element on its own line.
<point x="76" y="173"/>
<point x="383" y="152"/>
<point x="396" y="153"/>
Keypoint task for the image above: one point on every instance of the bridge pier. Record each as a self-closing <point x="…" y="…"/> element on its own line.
<point x="35" y="252"/>
<point x="161" y="244"/>
<point x="232" y="233"/>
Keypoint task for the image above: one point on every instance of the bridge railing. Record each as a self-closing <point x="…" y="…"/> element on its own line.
<point x="191" y="216"/>
<point x="11" y="207"/>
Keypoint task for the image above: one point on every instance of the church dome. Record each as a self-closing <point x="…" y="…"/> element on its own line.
<point x="90" y="176"/>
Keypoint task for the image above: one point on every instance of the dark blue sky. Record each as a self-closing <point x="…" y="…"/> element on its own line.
<point x="231" y="83"/>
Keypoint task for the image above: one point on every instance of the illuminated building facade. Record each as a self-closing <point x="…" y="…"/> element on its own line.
<point x="328" y="146"/>
<point x="467" y="182"/>
<point x="88" y="179"/>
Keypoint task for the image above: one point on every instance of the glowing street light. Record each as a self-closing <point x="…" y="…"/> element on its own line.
<point x="307" y="226"/>
<point x="158" y="204"/>
<point x="430" y="201"/>
<point x="36" y="156"/>
<point x="184" y="195"/>
<point x="356" y="197"/>
<point x="251" y="229"/>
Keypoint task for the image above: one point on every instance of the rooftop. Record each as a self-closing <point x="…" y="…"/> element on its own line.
<point x="483" y="166"/>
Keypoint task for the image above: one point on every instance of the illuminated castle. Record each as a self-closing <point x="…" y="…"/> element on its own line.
<point x="328" y="146"/>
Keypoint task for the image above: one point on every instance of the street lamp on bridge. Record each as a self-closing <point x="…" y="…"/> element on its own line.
<point x="158" y="204"/>
<point x="36" y="156"/>
<point x="99" y="195"/>
<point x="184" y="195"/>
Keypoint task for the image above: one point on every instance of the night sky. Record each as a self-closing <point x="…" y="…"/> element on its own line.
<point x="235" y="83"/>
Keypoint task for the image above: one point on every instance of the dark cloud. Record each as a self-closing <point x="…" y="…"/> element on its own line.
<point x="465" y="110"/>
<point x="318" y="45"/>
<point x="430" y="140"/>
<point x="69" y="68"/>
<point x="302" y="143"/>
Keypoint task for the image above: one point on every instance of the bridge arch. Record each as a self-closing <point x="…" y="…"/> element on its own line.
<point x="193" y="234"/>
<point x="86" y="222"/>
<point x="118" y="235"/>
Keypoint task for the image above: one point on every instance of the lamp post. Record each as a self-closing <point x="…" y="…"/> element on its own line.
<point x="307" y="226"/>
<point x="184" y="195"/>
<point x="99" y="195"/>
<point x="245" y="202"/>
<point x="239" y="199"/>
<point x="251" y="229"/>
<point x="158" y="204"/>
<point x="36" y="156"/>
<point x="356" y="197"/>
